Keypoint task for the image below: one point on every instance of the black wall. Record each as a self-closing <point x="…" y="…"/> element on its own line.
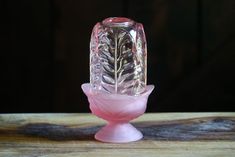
<point x="45" y="52"/>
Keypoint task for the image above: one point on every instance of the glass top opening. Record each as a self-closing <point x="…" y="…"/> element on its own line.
<point x="118" y="22"/>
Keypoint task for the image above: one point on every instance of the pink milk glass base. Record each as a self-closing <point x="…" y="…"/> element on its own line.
<point x="118" y="110"/>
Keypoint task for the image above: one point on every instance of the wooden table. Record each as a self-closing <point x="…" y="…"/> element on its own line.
<point x="71" y="135"/>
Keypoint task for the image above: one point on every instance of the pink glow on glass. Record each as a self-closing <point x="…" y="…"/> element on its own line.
<point x="118" y="90"/>
<point x="118" y="110"/>
<point x="118" y="22"/>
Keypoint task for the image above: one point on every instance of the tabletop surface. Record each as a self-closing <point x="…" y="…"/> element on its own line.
<point x="72" y="135"/>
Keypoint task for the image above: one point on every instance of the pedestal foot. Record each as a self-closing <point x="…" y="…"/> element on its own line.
<point x="118" y="133"/>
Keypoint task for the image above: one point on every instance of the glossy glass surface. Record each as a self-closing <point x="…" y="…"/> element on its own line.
<point x="118" y="57"/>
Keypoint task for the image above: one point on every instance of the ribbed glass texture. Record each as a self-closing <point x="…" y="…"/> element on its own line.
<point x="118" y="57"/>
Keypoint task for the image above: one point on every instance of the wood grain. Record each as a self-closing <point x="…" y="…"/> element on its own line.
<point x="165" y="134"/>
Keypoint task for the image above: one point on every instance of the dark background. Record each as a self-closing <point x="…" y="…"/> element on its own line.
<point x="45" y="52"/>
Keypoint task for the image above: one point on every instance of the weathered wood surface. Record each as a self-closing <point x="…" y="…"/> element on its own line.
<point x="166" y="134"/>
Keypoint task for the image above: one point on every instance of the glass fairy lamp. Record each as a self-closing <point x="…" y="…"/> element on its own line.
<point x="117" y="91"/>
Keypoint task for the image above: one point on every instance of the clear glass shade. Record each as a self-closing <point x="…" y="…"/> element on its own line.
<point x="118" y="57"/>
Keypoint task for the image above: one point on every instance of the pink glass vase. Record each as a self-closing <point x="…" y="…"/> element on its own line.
<point x="117" y="91"/>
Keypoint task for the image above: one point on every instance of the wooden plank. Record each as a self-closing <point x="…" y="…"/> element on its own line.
<point x="166" y="134"/>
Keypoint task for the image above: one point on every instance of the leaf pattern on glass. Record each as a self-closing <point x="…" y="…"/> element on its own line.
<point x="118" y="59"/>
